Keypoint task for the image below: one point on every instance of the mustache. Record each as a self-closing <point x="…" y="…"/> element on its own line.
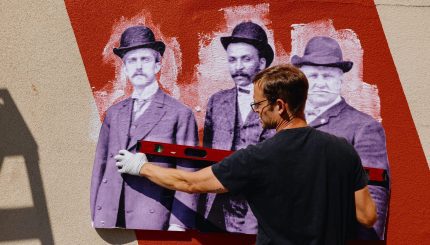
<point x="240" y="74"/>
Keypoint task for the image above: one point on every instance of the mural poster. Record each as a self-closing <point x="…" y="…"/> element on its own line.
<point x="182" y="73"/>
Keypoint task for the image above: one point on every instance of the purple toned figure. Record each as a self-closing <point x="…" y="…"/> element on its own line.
<point x="230" y="124"/>
<point x="327" y="111"/>
<point x="128" y="201"/>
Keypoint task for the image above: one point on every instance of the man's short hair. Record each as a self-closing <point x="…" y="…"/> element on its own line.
<point x="284" y="82"/>
<point x="156" y="54"/>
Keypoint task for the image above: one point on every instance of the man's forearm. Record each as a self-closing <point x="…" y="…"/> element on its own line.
<point x="170" y="178"/>
<point x="365" y="208"/>
<point x="200" y="181"/>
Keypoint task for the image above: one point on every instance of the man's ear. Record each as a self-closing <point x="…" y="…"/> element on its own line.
<point x="262" y="64"/>
<point x="281" y="106"/>
<point x="341" y="75"/>
<point x="283" y="109"/>
<point x="157" y="67"/>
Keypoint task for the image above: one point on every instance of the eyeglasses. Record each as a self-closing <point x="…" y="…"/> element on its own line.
<point x="256" y="105"/>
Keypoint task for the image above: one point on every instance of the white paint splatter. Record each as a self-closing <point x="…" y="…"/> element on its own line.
<point x="212" y="74"/>
<point x="119" y="88"/>
<point x="95" y="124"/>
<point x="357" y="93"/>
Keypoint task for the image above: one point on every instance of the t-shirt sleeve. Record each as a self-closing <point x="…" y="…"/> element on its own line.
<point x="236" y="171"/>
<point x="360" y="176"/>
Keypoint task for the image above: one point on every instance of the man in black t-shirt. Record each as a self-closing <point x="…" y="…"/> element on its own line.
<point x="304" y="186"/>
<point x="300" y="185"/>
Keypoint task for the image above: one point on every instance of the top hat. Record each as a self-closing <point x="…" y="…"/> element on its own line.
<point x="251" y="33"/>
<point x="138" y="37"/>
<point x="322" y="51"/>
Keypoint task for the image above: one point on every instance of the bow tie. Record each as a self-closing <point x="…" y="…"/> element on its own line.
<point x="242" y="90"/>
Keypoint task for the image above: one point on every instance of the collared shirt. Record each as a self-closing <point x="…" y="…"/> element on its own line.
<point x="244" y="100"/>
<point x="312" y="113"/>
<point x="142" y="100"/>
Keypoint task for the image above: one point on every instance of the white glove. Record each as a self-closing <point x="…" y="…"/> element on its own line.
<point x="129" y="163"/>
<point x="175" y="227"/>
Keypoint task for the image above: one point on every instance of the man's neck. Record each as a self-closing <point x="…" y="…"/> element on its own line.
<point x="312" y="111"/>
<point x="295" y="122"/>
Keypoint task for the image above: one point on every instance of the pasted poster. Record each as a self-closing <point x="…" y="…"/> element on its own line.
<point x="182" y="73"/>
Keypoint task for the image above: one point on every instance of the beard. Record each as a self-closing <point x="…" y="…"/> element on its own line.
<point x="268" y="125"/>
<point x="266" y="121"/>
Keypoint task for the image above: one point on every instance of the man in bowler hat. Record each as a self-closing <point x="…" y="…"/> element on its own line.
<point x="149" y="114"/>
<point x="230" y="124"/>
<point x="326" y="110"/>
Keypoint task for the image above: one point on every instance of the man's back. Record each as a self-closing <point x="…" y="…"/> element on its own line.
<point x="300" y="185"/>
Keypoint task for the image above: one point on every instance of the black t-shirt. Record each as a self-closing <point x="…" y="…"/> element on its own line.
<point x="300" y="185"/>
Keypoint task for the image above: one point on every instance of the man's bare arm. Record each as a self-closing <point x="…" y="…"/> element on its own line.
<point x="365" y="207"/>
<point x="192" y="182"/>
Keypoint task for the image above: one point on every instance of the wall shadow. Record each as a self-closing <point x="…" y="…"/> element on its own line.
<point x="16" y="140"/>
<point x="116" y="236"/>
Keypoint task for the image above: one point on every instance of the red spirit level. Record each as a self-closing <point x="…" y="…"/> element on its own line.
<point x="376" y="176"/>
<point x="183" y="151"/>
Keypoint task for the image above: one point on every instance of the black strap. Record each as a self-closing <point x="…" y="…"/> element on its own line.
<point x="377" y="177"/>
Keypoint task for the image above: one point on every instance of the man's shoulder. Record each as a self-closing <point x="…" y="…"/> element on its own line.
<point x="344" y="116"/>
<point x="331" y="140"/>
<point x="335" y="145"/>
<point x="222" y="94"/>
<point x="355" y="115"/>
<point x="328" y="137"/>
<point x="174" y="104"/>
<point x="120" y="104"/>
<point x="357" y="120"/>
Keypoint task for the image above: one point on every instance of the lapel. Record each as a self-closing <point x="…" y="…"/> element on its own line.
<point x="124" y="120"/>
<point x="254" y="119"/>
<point x="229" y="111"/>
<point x="150" y="118"/>
<point x="332" y="112"/>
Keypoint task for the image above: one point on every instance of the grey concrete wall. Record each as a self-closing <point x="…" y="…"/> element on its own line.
<point x="407" y="29"/>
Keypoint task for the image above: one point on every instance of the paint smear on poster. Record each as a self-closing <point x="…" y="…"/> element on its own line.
<point x="359" y="94"/>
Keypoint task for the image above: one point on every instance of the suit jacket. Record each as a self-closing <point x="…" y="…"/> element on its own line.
<point x="368" y="138"/>
<point x="220" y="121"/>
<point x="146" y="205"/>
<point x="218" y="133"/>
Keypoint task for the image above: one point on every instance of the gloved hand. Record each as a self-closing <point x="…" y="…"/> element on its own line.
<point x="129" y="163"/>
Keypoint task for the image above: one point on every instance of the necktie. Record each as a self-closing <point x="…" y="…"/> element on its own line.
<point x="137" y="109"/>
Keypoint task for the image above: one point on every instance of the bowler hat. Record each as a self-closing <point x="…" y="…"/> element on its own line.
<point x="138" y="37"/>
<point x="251" y="33"/>
<point x="322" y="51"/>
